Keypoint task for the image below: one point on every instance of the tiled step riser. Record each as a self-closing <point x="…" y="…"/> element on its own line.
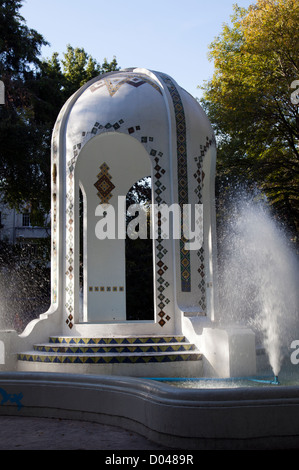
<point x="117" y="340"/>
<point x="106" y="359"/>
<point x="114" y="349"/>
<point x="63" y="351"/>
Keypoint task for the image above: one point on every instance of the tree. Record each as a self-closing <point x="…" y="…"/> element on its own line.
<point x="248" y="101"/>
<point x="22" y="175"/>
<point x="78" y="67"/>
<point x="19" y="45"/>
<point x="35" y="91"/>
<point x="56" y="80"/>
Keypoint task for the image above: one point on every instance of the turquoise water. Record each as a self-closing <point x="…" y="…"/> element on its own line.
<point x="285" y="378"/>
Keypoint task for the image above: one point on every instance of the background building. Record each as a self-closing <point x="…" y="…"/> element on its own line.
<point x="16" y="227"/>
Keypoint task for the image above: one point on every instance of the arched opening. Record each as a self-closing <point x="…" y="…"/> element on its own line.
<point x="139" y="258"/>
<point x="107" y="166"/>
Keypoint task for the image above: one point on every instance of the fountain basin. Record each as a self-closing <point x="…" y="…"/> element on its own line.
<point x="232" y="419"/>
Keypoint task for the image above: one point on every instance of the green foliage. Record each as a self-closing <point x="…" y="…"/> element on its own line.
<point x="23" y="175"/>
<point x="248" y="101"/>
<point x="19" y="45"/>
<point x="35" y="91"/>
<point x="79" y="67"/>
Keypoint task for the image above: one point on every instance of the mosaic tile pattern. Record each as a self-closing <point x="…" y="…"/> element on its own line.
<point x="88" y="349"/>
<point x="130" y="350"/>
<point x="104" y="184"/>
<point x="199" y="179"/>
<point x="161" y="251"/>
<point x="117" y="340"/>
<point x="106" y="289"/>
<point x="182" y="173"/>
<point x="114" y="84"/>
<point x="109" y="359"/>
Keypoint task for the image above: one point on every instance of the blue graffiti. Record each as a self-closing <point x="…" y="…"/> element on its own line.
<point x="6" y="397"/>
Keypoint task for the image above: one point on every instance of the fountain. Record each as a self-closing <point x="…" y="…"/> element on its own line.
<point x="94" y="363"/>
<point x="260" y="267"/>
<point x="258" y="286"/>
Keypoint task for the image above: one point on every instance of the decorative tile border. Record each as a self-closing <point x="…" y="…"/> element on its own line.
<point x="117" y="340"/>
<point x="102" y="289"/>
<point x="99" y="350"/>
<point x="199" y="179"/>
<point x="119" y="359"/>
<point x="103" y="349"/>
<point x="182" y="173"/>
<point x="113" y="85"/>
<point x="161" y="251"/>
<point x="104" y="184"/>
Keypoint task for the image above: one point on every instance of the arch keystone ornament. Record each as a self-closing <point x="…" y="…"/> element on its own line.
<point x="104" y="184"/>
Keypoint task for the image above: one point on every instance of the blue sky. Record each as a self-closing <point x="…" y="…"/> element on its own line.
<point x="170" y="36"/>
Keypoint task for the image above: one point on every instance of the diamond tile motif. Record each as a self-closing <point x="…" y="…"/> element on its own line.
<point x="182" y="175"/>
<point x="113" y="85"/>
<point x="161" y="251"/>
<point x="117" y="350"/>
<point x="104" y="184"/>
<point x="199" y="179"/>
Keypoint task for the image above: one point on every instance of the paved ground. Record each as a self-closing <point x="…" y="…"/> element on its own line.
<point x="18" y="433"/>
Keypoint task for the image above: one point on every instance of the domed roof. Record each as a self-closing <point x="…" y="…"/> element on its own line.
<point x="136" y="101"/>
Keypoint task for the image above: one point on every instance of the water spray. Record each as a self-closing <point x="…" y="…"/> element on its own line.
<point x="259" y="279"/>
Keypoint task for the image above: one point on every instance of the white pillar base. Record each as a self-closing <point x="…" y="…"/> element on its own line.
<point x="229" y="352"/>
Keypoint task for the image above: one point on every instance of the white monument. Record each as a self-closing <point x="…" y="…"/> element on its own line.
<point x="115" y="130"/>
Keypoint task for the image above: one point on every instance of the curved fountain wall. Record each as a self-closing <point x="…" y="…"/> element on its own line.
<point x="214" y="419"/>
